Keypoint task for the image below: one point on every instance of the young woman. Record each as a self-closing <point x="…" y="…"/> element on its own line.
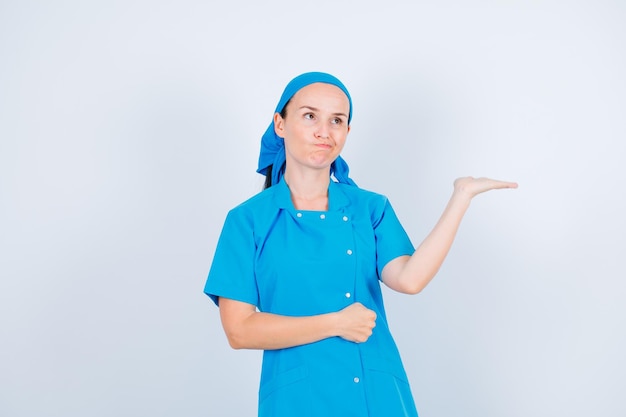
<point x="297" y="268"/>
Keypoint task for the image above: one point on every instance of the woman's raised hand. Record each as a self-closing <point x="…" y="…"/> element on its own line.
<point x="471" y="186"/>
<point x="355" y="323"/>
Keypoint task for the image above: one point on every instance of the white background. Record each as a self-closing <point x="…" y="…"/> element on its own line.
<point x="128" y="129"/>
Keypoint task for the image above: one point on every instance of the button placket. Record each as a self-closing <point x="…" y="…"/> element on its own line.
<point x="345" y="220"/>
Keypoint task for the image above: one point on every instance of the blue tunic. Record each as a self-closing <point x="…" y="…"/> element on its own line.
<point x="301" y="263"/>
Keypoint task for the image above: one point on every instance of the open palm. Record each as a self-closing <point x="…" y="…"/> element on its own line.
<point x="474" y="186"/>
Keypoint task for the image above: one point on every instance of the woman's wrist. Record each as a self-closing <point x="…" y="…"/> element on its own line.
<point x="461" y="197"/>
<point x="332" y="321"/>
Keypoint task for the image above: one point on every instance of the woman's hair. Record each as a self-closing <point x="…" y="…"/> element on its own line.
<point x="283" y="112"/>
<point x="268" y="173"/>
<point x="268" y="177"/>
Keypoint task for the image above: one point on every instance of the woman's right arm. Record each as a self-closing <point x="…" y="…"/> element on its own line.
<point x="246" y="328"/>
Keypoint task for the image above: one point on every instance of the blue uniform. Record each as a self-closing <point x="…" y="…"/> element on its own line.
<point x="301" y="263"/>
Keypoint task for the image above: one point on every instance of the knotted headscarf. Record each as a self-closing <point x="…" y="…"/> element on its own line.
<point x="273" y="146"/>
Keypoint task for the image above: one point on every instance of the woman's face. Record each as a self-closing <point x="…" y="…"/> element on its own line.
<point x="315" y="127"/>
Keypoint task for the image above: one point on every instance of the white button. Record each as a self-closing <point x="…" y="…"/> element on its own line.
<point x="345" y="218"/>
<point x="322" y="216"/>
<point x="299" y="214"/>
<point x="356" y="380"/>
<point x="348" y="295"/>
<point x="349" y="251"/>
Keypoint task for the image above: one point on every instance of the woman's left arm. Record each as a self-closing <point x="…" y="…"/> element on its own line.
<point x="410" y="274"/>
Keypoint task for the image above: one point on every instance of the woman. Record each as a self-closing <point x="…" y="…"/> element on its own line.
<point x="297" y="268"/>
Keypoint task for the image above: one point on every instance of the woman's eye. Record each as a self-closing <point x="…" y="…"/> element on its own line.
<point x="337" y="121"/>
<point x="309" y="116"/>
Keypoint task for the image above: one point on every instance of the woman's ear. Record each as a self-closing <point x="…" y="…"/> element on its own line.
<point x="279" y="125"/>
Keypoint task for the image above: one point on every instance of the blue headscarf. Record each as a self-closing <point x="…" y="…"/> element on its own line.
<point x="273" y="146"/>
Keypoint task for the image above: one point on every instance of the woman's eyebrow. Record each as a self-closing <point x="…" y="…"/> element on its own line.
<point x="316" y="109"/>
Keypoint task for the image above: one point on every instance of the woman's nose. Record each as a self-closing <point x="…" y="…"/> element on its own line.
<point x="322" y="131"/>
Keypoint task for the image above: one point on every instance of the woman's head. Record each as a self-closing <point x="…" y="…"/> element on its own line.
<point x="314" y="128"/>
<point x="317" y="96"/>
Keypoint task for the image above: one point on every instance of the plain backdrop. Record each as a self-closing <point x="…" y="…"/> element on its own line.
<point x="129" y="128"/>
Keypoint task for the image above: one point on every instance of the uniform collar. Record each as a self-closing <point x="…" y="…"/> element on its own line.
<point x="337" y="198"/>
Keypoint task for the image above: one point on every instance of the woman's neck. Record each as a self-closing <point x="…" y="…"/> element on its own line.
<point x="309" y="191"/>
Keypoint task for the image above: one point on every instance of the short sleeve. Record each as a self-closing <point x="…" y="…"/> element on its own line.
<point x="232" y="271"/>
<point x="391" y="238"/>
